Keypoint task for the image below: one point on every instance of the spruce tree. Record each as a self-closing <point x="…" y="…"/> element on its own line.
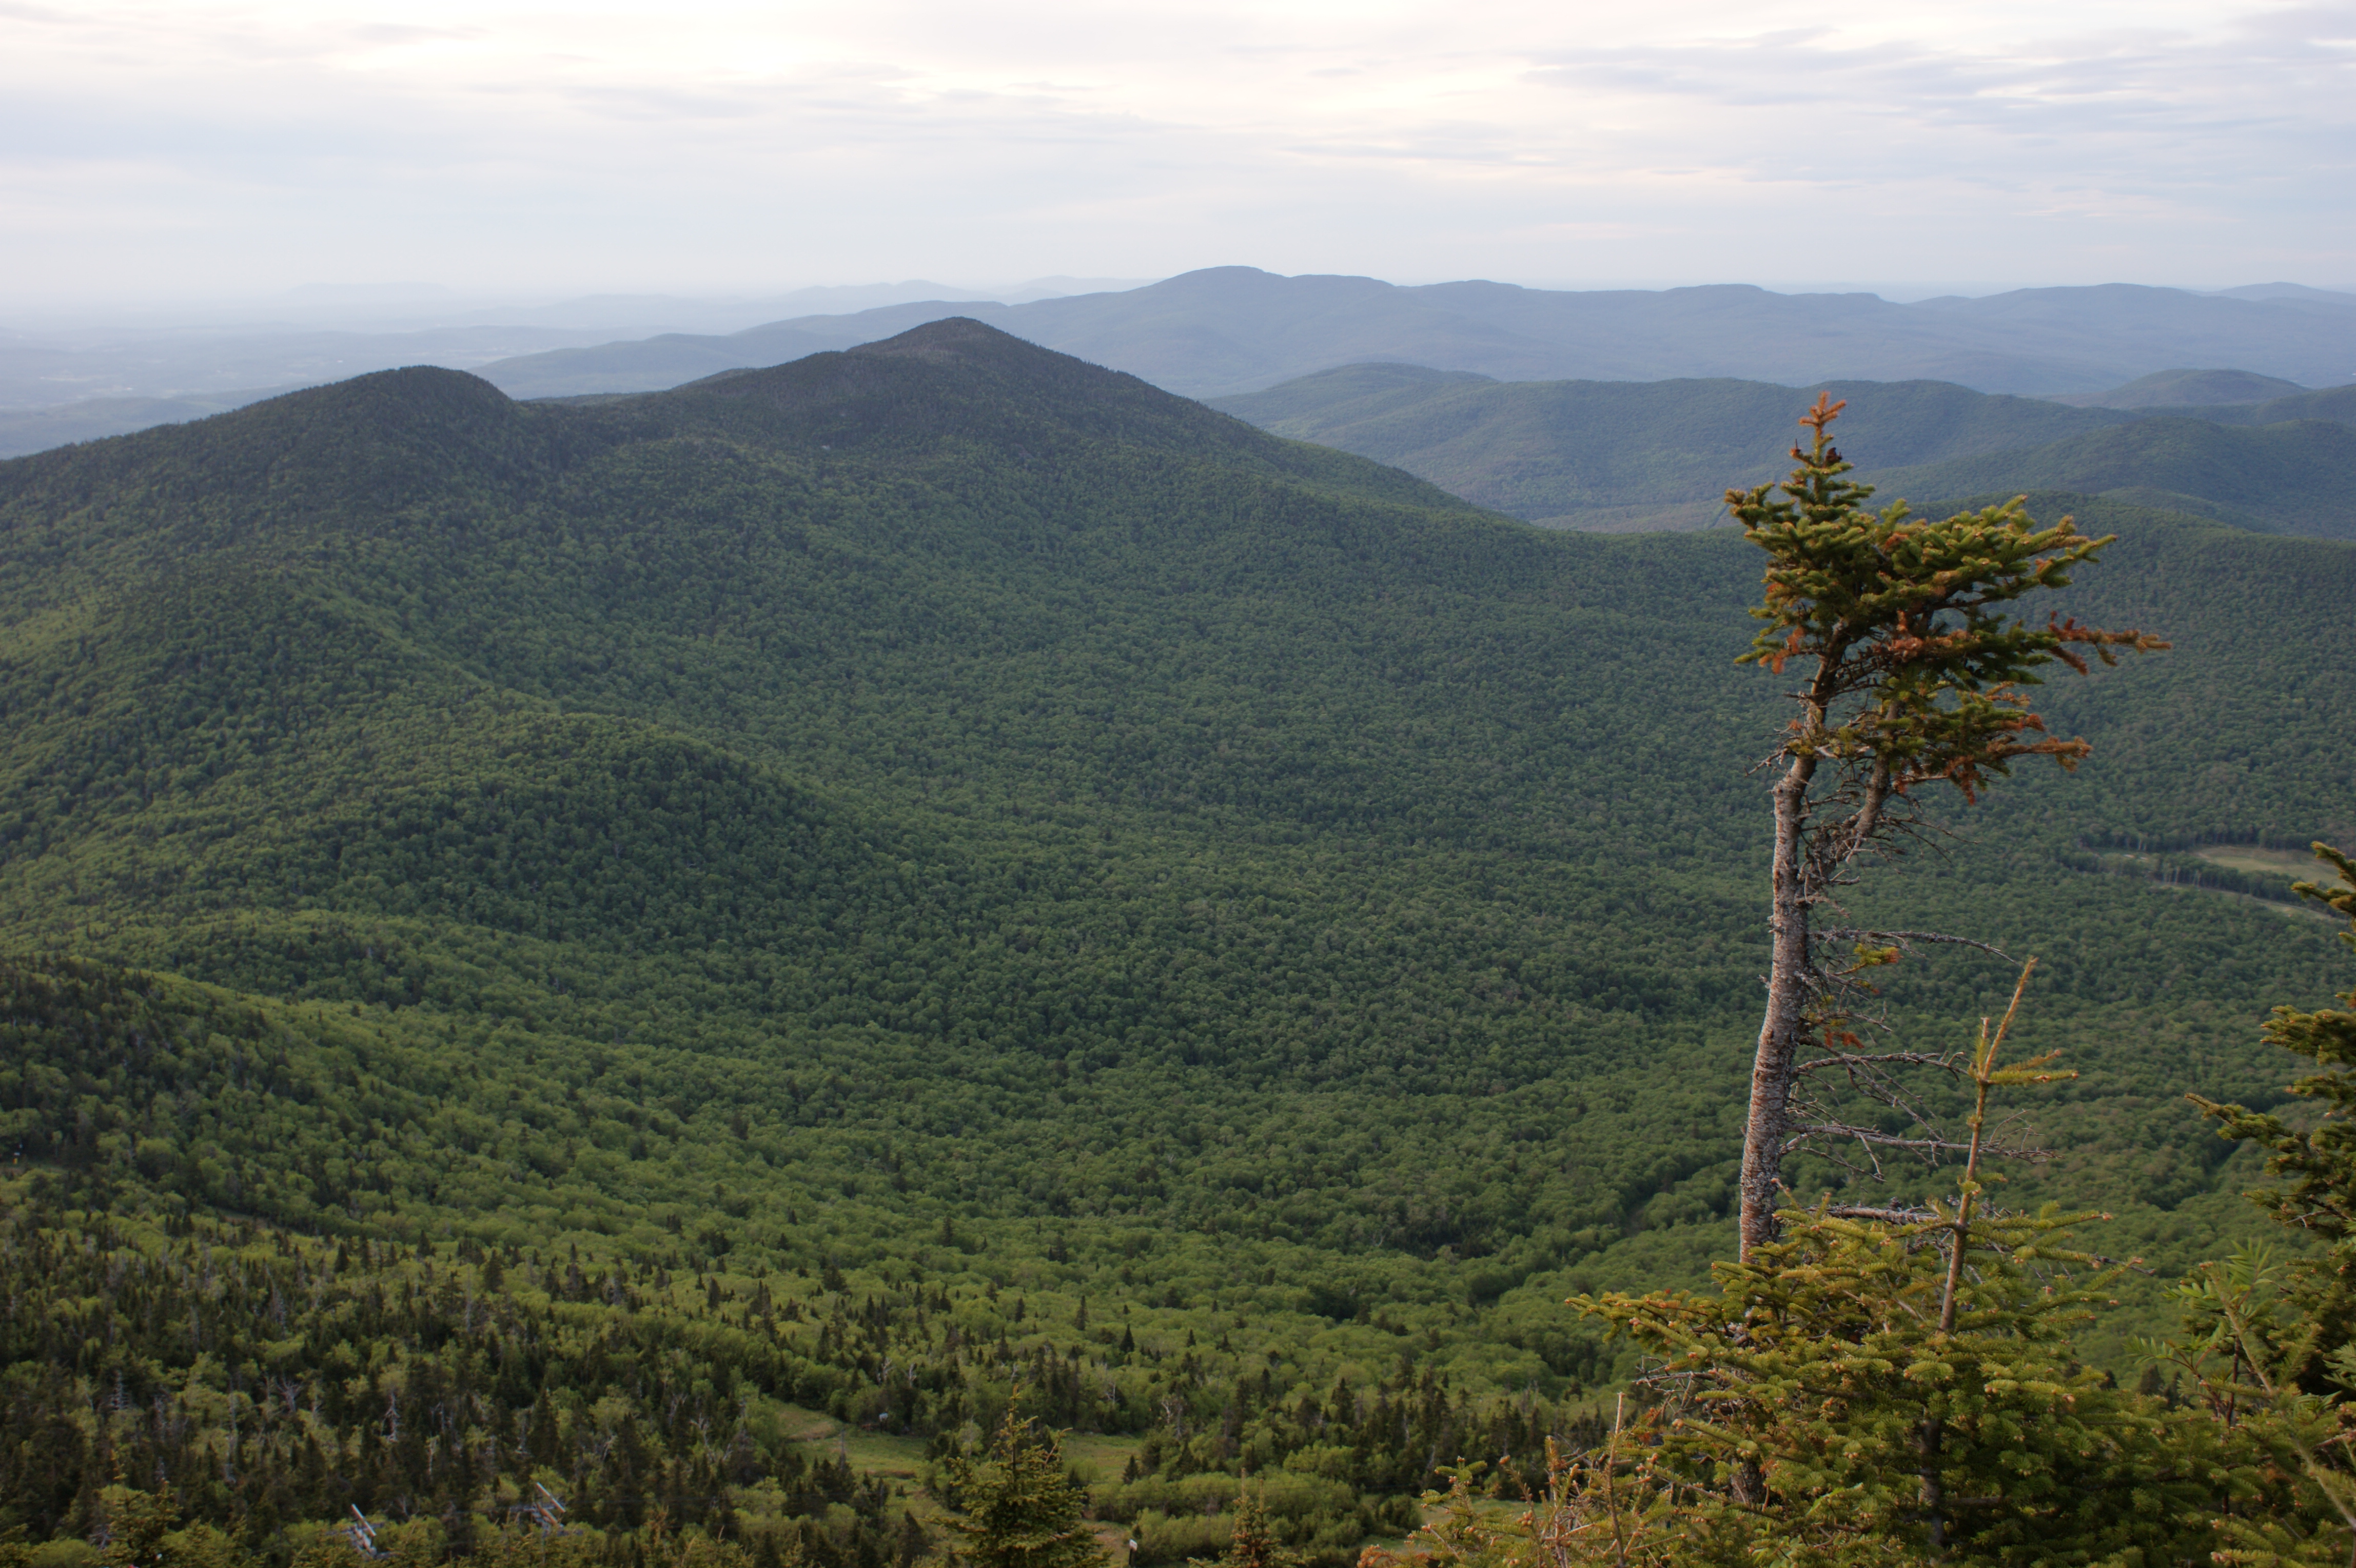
<point x="1016" y="1506"/>
<point x="1251" y="1542"/>
<point x="1916" y="672"/>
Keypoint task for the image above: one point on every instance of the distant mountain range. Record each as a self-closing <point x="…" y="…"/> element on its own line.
<point x="327" y="333"/>
<point x="1229" y="331"/>
<point x="1617" y="410"/>
<point x="1235" y="329"/>
<point x="1620" y="457"/>
<point x="39" y="371"/>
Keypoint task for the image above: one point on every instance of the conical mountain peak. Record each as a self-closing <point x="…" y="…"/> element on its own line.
<point x="960" y="380"/>
<point x="954" y="337"/>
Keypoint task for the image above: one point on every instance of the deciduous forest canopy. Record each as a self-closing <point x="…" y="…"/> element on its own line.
<point x="597" y="940"/>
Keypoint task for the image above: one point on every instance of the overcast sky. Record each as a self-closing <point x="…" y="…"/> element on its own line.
<point x="154" y="149"/>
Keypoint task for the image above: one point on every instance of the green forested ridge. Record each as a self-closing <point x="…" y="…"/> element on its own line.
<point x="1630" y="453"/>
<point x="2288" y="477"/>
<point x="951" y="817"/>
<point x="1620" y="455"/>
<point x="2335" y="403"/>
<point x="2188" y="389"/>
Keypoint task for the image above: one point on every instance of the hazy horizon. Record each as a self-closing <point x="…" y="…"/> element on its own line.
<point x="420" y="305"/>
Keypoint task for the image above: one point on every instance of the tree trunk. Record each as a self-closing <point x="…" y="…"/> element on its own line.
<point x="1787" y="1006"/>
<point x="1928" y="1439"/>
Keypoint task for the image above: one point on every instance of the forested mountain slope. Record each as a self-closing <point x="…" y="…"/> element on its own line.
<point x="1655" y="454"/>
<point x="2290" y="478"/>
<point x="947" y="822"/>
<point x="2335" y="403"/>
<point x="2188" y="389"/>
<point x="1633" y="454"/>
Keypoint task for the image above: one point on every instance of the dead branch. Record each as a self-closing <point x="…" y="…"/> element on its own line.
<point x="1846" y="933"/>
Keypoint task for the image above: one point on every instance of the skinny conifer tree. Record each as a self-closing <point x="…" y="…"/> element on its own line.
<point x="1252" y="1542"/>
<point x="1915" y="676"/>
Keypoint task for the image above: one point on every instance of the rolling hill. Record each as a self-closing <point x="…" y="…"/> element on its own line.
<point x="2298" y="477"/>
<point x="1620" y="456"/>
<point x="854" y="889"/>
<point x="2188" y="389"/>
<point x="2337" y="404"/>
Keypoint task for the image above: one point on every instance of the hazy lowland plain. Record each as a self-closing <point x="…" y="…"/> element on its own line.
<point x="692" y="945"/>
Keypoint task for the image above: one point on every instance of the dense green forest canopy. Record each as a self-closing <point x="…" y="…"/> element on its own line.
<point x="943" y="832"/>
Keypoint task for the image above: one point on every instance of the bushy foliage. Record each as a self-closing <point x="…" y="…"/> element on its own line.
<point x="1840" y="1424"/>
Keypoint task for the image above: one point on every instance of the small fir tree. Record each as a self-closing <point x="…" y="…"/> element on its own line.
<point x="1251" y="1543"/>
<point x="1016" y="1506"/>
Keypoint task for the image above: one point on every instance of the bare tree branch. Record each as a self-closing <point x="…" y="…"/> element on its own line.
<point x="1845" y="933"/>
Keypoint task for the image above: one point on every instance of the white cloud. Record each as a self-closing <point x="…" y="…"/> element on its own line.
<point x="148" y="145"/>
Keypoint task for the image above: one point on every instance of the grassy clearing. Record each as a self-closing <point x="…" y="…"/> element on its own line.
<point x="875" y="1453"/>
<point x="1098" y="1460"/>
<point x="2251" y="858"/>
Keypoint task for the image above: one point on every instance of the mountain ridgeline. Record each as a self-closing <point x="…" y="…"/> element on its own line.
<point x="1222" y="331"/>
<point x="940" y="875"/>
<point x="1660" y="454"/>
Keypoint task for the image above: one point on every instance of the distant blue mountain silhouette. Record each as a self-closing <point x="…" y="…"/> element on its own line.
<point x="1232" y="329"/>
